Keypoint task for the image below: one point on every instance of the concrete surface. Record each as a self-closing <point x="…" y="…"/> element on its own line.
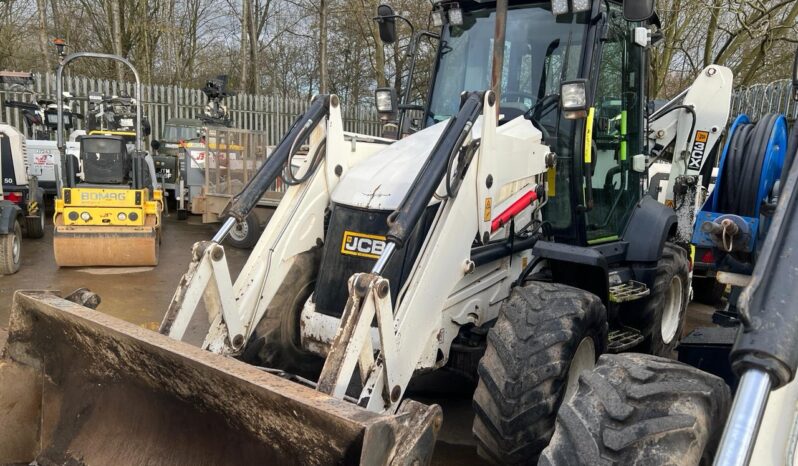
<point x="137" y="294"/>
<point x="141" y="296"/>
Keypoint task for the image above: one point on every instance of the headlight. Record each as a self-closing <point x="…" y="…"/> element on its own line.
<point x="73" y="216"/>
<point x="85" y="216"/>
<point x="121" y="216"/>
<point x="133" y="216"/>
<point x="385" y="97"/>
<point x="573" y="99"/>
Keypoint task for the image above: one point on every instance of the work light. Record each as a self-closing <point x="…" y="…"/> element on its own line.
<point x="385" y="97"/>
<point x="437" y="17"/>
<point x="573" y="99"/>
<point x="559" y="7"/>
<point x="580" y="5"/>
<point x="455" y="15"/>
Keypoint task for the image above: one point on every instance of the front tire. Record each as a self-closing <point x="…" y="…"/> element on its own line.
<point x="543" y="332"/>
<point x="640" y="409"/>
<point x="661" y="315"/>
<point x="275" y="343"/>
<point x="11" y="250"/>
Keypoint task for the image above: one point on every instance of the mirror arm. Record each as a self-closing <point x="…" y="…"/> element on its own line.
<point x="403" y="105"/>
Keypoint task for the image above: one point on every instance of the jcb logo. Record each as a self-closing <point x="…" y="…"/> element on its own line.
<point x="362" y="245"/>
<point x="699" y="147"/>
<point x="94" y="196"/>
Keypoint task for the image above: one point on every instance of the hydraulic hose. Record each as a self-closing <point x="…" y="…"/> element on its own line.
<point x="402" y="221"/>
<point x="242" y="204"/>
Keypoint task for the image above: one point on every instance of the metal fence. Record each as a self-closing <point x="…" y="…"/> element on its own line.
<point x="760" y="99"/>
<point x="269" y="114"/>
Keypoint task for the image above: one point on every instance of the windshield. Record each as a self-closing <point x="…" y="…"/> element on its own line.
<point x="540" y="51"/>
<point x="172" y="133"/>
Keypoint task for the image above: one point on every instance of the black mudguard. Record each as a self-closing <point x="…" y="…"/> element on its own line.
<point x="9" y="213"/>
<point x="650" y="225"/>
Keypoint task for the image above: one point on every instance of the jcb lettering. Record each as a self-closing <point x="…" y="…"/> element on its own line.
<point x="362" y="245"/>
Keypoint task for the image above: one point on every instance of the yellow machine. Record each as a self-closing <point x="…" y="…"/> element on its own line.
<point x="100" y="226"/>
<point x="109" y="209"/>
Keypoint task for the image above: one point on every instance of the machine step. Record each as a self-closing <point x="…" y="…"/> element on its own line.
<point x="629" y="291"/>
<point x="623" y="339"/>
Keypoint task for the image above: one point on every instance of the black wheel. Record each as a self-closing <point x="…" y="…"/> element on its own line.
<point x="637" y="409"/>
<point x="182" y="214"/>
<point x="245" y="234"/>
<point x="275" y="342"/>
<point x="707" y="290"/>
<point x="34" y="225"/>
<point x="545" y="335"/>
<point x="11" y="250"/>
<point x="660" y="317"/>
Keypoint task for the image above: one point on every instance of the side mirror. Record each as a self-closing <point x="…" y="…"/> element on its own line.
<point x="155" y="144"/>
<point x="638" y="10"/>
<point x="386" y="21"/>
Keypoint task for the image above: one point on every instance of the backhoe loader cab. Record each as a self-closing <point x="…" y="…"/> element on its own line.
<point x="592" y="55"/>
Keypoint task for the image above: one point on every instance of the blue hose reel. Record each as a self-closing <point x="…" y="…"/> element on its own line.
<point x="750" y="166"/>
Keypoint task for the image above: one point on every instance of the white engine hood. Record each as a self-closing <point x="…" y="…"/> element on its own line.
<point x="381" y="181"/>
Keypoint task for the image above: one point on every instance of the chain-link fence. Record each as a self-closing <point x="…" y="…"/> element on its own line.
<point x="761" y="99"/>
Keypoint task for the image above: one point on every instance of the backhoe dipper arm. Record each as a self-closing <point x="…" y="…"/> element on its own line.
<point x="242" y="204"/>
<point x="765" y="354"/>
<point x="404" y="219"/>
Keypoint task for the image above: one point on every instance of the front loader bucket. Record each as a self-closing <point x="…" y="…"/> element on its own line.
<point x="105" y="246"/>
<point x="78" y="387"/>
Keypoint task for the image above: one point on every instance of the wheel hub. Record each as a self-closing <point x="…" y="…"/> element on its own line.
<point x="584" y="360"/>
<point x="240" y="231"/>
<point x="671" y="312"/>
<point x="15" y="249"/>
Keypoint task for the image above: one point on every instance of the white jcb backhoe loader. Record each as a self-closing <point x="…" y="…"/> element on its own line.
<point x="507" y="238"/>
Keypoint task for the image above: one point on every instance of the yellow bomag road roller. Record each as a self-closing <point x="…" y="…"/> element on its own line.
<point x="109" y="209"/>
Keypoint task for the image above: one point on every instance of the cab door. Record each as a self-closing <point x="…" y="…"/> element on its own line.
<point x="617" y="122"/>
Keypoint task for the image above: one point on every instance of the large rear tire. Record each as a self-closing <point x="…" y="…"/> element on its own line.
<point x="11" y="250"/>
<point x="660" y="317"/>
<point x="640" y="409"/>
<point x="275" y="343"/>
<point x="545" y="334"/>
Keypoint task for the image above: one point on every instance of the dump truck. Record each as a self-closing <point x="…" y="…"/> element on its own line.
<point x="508" y="239"/>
